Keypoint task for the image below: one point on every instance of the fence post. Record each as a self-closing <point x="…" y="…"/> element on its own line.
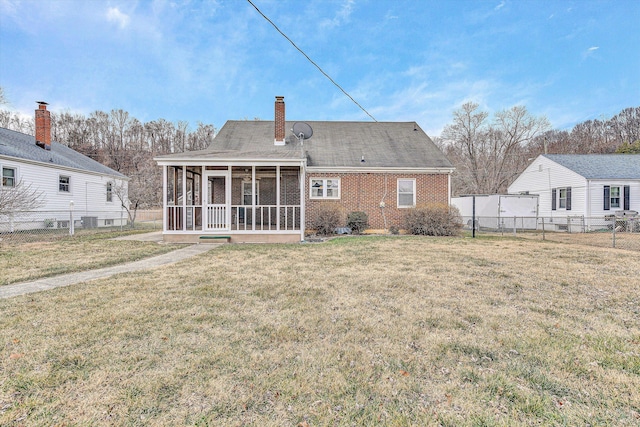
<point x="71" y="228"/>
<point x="542" y="228"/>
<point x="613" y="239"/>
<point x="515" y="226"/>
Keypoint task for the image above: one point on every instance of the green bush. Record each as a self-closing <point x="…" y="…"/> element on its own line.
<point x="326" y="218"/>
<point x="357" y="221"/>
<point x="433" y="220"/>
<point x="394" y="230"/>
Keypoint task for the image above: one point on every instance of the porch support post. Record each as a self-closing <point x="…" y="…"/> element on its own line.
<point x="184" y="197"/>
<point x="253" y="198"/>
<point x="204" y="199"/>
<point x="303" y="184"/>
<point x="165" y="208"/>
<point x="278" y="197"/>
<point x="228" y="182"/>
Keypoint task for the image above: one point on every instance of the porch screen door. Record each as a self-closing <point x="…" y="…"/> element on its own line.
<point x="217" y="201"/>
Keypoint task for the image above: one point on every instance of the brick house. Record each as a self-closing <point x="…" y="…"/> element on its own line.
<point x="258" y="182"/>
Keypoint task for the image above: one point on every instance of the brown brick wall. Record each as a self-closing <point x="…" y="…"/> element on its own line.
<point x="365" y="191"/>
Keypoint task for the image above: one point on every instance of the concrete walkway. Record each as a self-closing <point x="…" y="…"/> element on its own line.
<point x="85" y="276"/>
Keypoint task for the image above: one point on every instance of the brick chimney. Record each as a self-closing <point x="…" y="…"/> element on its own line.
<point x="43" y="126"/>
<point x="279" y="121"/>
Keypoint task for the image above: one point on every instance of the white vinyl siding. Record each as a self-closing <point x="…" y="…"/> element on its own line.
<point x="87" y="189"/>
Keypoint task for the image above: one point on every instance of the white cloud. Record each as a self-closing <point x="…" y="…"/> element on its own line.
<point x="341" y="15"/>
<point x="592" y="48"/>
<point x="500" y="6"/>
<point x="116" y="16"/>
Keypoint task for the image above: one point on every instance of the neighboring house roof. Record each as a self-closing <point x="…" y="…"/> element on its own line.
<point x="22" y="146"/>
<point x="333" y="145"/>
<point x="600" y="166"/>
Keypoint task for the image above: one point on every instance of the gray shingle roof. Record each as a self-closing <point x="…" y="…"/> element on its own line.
<point x="600" y="166"/>
<point x="333" y="144"/>
<point x="22" y="146"/>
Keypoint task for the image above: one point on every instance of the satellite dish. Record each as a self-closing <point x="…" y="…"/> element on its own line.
<point x="302" y="131"/>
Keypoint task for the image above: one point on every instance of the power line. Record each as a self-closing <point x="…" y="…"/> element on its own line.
<point x="311" y="60"/>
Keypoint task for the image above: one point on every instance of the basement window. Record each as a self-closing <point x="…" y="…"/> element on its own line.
<point x="325" y="188"/>
<point x="8" y="177"/>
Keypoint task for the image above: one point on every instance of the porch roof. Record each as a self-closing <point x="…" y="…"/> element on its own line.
<point x="394" y="145"/>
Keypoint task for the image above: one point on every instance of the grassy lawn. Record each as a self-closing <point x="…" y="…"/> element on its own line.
<point x="30" y="261"/>
<point x="356" y="331"/>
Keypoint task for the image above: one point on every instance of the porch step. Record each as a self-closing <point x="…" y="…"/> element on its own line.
<point x="227" y="238"/>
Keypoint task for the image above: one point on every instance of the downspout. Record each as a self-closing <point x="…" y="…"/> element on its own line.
<point x="587" y="211"/>
<point x="382" y="203"/>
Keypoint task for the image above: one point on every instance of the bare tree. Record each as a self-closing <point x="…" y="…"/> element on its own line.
<point x="122" y="193"/>
<point x="3" y="97"/>
<point x="488" y="155"/>
<point x="19" y="197"/>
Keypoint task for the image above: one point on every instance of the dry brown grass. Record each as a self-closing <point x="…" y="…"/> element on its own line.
<point x="30" y="261"/>
<point x="356" y="331"/>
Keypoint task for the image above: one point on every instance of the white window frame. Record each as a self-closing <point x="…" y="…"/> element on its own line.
<point x="68" y="184"/>
<point x="562" y="201"/>
<point x="246" y="191"/>
<point x="612" y="197"/>
<point x="15" y="177"/>
<point x="413" y="185"/>
<point x="325" y="188"/>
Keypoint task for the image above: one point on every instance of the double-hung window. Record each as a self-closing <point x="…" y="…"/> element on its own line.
<point x="325" y="188"/>
<point x="406" y="193"/>
<point x="64" y="184"/>
<point x="561" y="198"/>
<point x="109" y="192"/>
<point x="616" y="197"/>
<point x="8" y="177"/>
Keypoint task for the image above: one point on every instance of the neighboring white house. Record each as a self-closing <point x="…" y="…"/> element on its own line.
<point x="582" y="185"/>
<point x="60" y="176"/>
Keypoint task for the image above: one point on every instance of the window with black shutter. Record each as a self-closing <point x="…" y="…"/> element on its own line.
<point x="607" y="197"/>
<point x="627" y="197"/>
<point x="553" y="199"/>
<point x="568" y="203"/>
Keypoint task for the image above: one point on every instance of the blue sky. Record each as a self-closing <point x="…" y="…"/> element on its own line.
<point x="218" y="60"/>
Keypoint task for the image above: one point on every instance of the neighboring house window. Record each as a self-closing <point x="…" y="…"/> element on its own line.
<point x="109" y="192"/>
<point x="406" y="193"/>
<point x="8" y="177"/>
<point x="64" y="184"/>
<point x="561" y="198"/>
<point x="616" y="197"/>
<point x="325" y="188"/>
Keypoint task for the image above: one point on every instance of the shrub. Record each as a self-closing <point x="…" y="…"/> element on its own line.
<point x="394" y="230"/>
<point x="433" y="220"/>
<point x="357" y="221"/>
<point x="326" y="218"/>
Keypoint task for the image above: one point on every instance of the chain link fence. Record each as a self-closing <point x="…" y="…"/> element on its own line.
<point x="38" y="226"/>
<point x="609" y="231"/>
